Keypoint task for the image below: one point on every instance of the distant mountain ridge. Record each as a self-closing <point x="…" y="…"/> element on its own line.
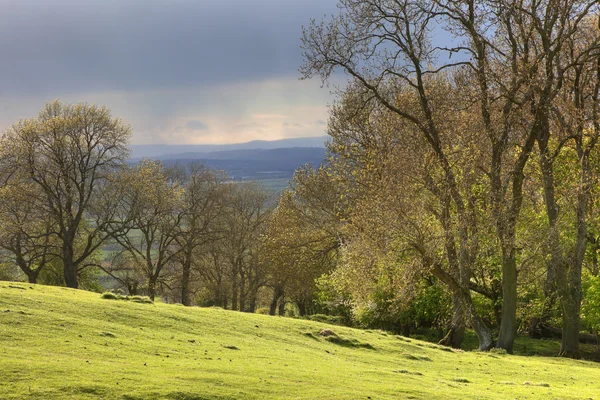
<point x="258" y="164"/>
<point x="168" y="151"/>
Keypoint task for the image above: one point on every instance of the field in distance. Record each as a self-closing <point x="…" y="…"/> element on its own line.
<point x="58" y="343"/>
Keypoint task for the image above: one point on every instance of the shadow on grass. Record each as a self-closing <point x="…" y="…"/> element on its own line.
<point x="135" y="299"/>
<point x="353" y="343"/>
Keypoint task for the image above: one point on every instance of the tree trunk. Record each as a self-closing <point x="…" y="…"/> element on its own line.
<point x="301" y="308"/>
<point x="569" y="346"/>
<point x="508" y="321"/>
<point x="252" y="305"/>
<point x="69" y="268"/>
<point x="234" y="292"/>
<point x="185" y="279"/>
<point x="32" y="277"/>
<point x="571" y="300"/>
<point x="566" y="278"/>
<point x="242" y="294"/>
<point x="484" y="335"/>
<point x="152" y="287"/>
<point x="456" y="333"/>
<point x="282" y="306"/>
<point x="224" y="302"/>
<point x="32" y="274"/>
<point x="277" y="293"/>
<point x="132" y="289"/>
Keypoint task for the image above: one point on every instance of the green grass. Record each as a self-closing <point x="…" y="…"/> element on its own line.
<point x="276" y="184"/>
<point x="57" y="343"/>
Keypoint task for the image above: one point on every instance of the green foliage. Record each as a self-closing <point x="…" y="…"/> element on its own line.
<point x="590" y="309"/>
<point x="328" y="300"/>
<point x="431" y="306"/>
<point x="328" y="319"/>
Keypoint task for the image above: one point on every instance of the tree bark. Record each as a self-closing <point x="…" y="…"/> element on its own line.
<point x="234" y="291"/>
<point x="282" y="306"/>
<point x="484" y="335"/>
<point x="185" y="279"/>
<point x="565" y="275"/>
<point x="69" y="267"/>
<point x="277" y="293"/>
<point x="242" y="294"/>
<point x="152" y="287"/>
<point x="301" y="308"/>
<point x="456" y="333"/>
<point x="508" y="321"/>
<point x="252" y="305"/>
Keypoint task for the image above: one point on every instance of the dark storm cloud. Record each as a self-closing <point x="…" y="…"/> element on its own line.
<point x="148" y="44"/>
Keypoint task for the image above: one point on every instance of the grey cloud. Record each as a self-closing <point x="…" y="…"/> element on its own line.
<point x="71" y="45"/>
<point x="197" y="125"/>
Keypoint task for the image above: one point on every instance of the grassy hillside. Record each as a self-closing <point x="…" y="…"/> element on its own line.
<point x="57" y="343"/>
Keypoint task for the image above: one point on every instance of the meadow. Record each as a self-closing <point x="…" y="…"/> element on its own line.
<point x="59" y="343"/>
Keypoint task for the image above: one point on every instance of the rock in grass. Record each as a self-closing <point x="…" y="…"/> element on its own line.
<point x="231" y="347"/>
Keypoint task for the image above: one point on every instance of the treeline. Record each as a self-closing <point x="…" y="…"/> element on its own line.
<point x="74" y="211"/>
<point x="464" y="156"/>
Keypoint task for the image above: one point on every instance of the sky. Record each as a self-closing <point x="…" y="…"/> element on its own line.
<point x="179" y="71"/>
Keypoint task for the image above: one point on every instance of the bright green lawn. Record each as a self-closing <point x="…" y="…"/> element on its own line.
<point x="57" y="343"/>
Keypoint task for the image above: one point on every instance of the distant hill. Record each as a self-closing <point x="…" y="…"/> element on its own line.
<point x="163" y="150"/>
<point x="274" y="167"/>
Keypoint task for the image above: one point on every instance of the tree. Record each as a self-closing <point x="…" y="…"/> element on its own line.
<point x="245" y="217"/>
<point x="401" y="203"/>
<point x="204" y="205"/>
<point x="508" y="56"/>
<point x="300" y="242"/>
<point x="25" y="233"/>
<point x="70" y="152"/>
<point x="569" y="124"/>
<point x="156" y="209"/>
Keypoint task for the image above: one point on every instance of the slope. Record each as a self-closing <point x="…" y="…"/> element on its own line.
<point x="58" y="343"/>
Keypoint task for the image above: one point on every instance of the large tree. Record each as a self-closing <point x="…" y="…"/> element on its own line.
<point x="246" y="214"/>
<point x="204" y="205"/>
<point x="72" y="153"/>
<point x="156" y="207"/>
<point x="508" y="57"/>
